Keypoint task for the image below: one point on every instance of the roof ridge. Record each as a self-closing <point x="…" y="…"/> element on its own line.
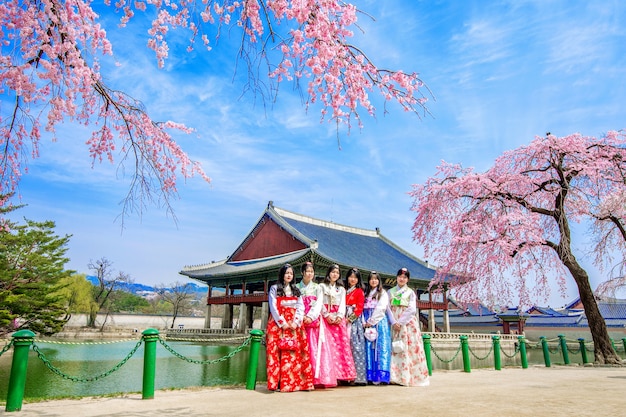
<point x="325" y="223"/>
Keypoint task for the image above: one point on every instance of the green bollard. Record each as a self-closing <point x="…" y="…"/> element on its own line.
<point x="465" y="352"/>
<point x="624" y="343"/>
<point x="22" y="341"/>
<point x="150" y="337"/>
<point x="497" y="361"/>
<point x="583" y="349"/>
<point x="546" y="351"/>
<point x="253" y="361"/>
<point x="563" y="343"/>
<point x="522" y="351"/>
<point x="429" y="364"/>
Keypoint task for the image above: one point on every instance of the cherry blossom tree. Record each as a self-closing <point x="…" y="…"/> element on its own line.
<point x="509" y="229"/>
<point x="50" y="73"/>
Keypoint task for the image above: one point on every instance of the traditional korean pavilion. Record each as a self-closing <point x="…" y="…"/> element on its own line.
<point x="280" y="236"/>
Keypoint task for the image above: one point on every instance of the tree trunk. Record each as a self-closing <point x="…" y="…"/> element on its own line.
<point x="91" y="318"/>
<point x="603" y="349"/>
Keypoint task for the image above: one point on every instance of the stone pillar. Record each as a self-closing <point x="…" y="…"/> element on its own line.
<point x="242" y="324"/>
<point x="432" y="324"/>
<point x="446" y="321"/>
<point x="227" y="320"/>
<point x="250" y="316"/>
<point x="207" y="316"/>
<point x="265" y="311"/>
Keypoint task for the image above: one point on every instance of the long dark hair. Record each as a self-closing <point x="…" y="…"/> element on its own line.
<point x="368" y="287"/>
<point x="280" y="284"/>
<point x="305" y="266"/>
<point x="357" y="274"/>
<point x="331" y="269"/>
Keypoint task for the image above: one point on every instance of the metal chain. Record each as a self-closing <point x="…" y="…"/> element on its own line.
<point x="555" y="351"/>
<point x="58" y="342"/>
<point x="6" y="347"/>
<point x="90" y="379"/>
<point x="573" y="351"/>
<point x="206" y="362"/>
<point x="183" y="339"/>
<point x="432" y="348"/>
<point x="515" y="351"/>
<point x="484" y="357"/>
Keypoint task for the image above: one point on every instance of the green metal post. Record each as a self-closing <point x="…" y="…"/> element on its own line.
<point x="150" y="337"/>
<point x="583" y="349"/>
<point x="465" y="352"/>
<point x="546" y="351"/>
<point x="429" y="364"/>
<point x="522" y="351"/>
<point x="253" y="361"/>
<point x="22" y="341"/>
<point x="563" y="343"/>
<point x="624" y="343"/>
<point x="497" y="361"/>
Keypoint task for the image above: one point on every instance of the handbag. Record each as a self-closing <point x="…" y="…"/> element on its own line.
<point x="397" y="346"/>
<point x="371" y="333"/>
<point x="288" y="343"/>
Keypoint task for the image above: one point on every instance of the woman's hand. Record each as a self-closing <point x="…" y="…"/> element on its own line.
<point x="397" y="326"/>
<point x="307" y="320"/>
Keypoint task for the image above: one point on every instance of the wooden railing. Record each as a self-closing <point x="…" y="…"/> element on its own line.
<point x="257" y="298"/>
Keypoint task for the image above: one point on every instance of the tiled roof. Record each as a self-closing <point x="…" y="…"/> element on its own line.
<point x="327" y="242"/>
<point x="362" y="248"/>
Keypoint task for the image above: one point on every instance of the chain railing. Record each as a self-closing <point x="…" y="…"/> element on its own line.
<point x="433" y="350"/>
<point x="6" y="347"/>
<point x="63" y="375"/>
<point x="245" y="343"/>
<point x="23" y="340"/>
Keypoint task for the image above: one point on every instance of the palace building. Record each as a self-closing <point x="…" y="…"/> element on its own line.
<point x="280" y="236"/>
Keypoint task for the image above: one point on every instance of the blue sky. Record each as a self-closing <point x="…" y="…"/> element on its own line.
<point x="501" y="72"/>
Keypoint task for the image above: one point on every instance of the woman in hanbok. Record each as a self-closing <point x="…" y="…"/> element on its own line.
<point x="354" y="309"/>
<point x="377" y="351"/>
<point x="338" y="365"/>
<point x="287" y="348"/>
<point x="312" y="297"/>
<point x="408" y="361"/>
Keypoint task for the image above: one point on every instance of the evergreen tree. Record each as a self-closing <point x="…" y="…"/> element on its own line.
<point x="32" y="259"/>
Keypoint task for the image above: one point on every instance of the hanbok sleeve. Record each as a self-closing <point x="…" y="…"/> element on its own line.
<point x="342" y="303"/>
<point x="316" y="307"/>
<point x="299" y="316"/>
<point x="359" y="298"/>
<point x="273" y="304"/>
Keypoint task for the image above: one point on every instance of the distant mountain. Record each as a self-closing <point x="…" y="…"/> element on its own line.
<point x="142" y="288"/>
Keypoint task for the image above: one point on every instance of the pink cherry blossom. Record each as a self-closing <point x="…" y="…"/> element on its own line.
<point x="507" y="231"/>
<point x="50" y="72"/>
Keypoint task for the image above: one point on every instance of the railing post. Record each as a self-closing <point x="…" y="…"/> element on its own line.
<point x="427" y="348"/>
<point x="624" y="343"/>
<point x="546" y="351"/>
<point x="583" y="349"/>
<point x="522" y="351"/>
<point x="497" y="362"/>
<point x="150" y="337"/>
<point x="253" y="361"/>
<point x="22" y="341"/>
<point x="465" y="351"/>
<point x="563" y="343"/>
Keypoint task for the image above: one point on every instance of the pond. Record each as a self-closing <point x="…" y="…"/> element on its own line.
<point x="87" y="360"/>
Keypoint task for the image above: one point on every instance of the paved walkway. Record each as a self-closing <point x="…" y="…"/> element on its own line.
<point x="555" y="391"/>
